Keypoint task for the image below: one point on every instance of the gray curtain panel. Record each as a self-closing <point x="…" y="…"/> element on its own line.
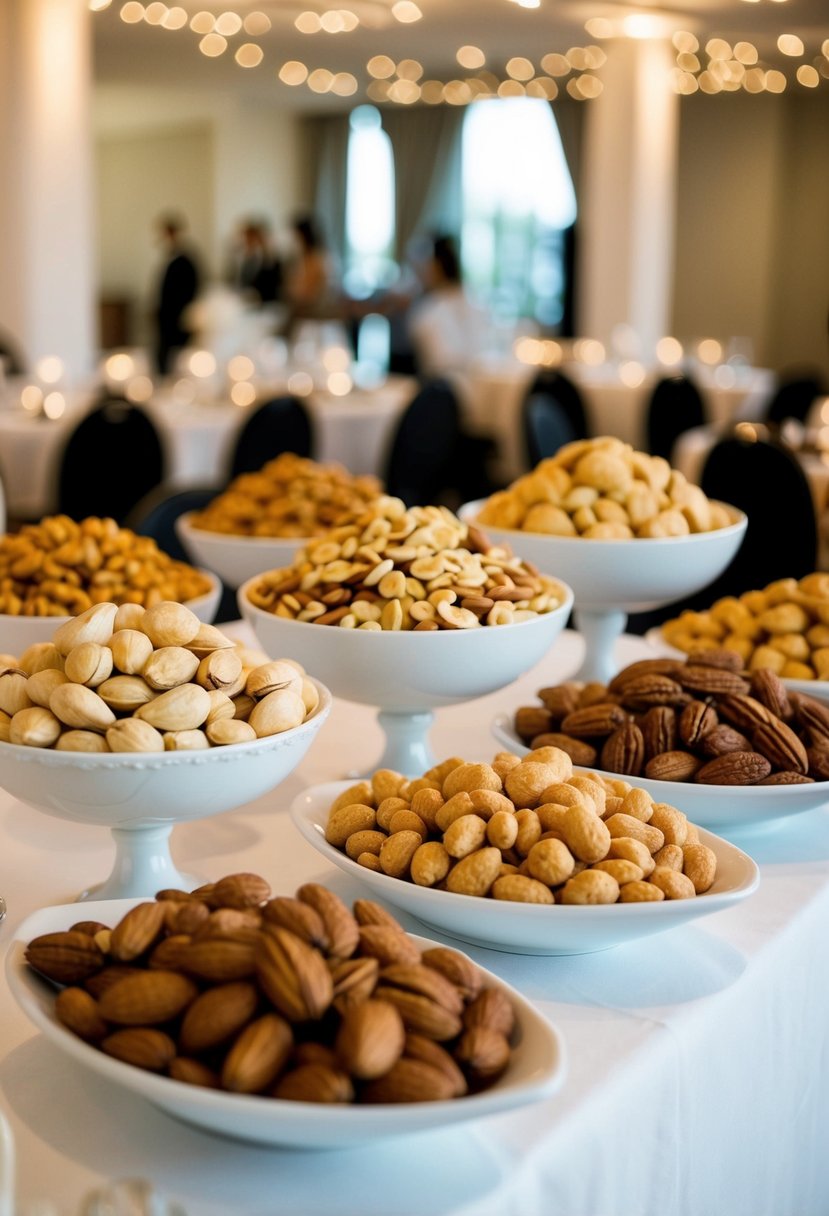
<point x="426" y="141"/>
<point x="569" y="116"/>
<point x="327" y="141"/>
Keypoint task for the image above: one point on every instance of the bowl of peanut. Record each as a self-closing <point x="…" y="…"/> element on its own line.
<point x="408" y="610"/>
<point x="262" y="519"/>
<point x="53" y="570"/>
<point x="525" y="854"/>
<point x="136" y="719"/>
<point x="627" y="532"/>
<point x="297" y="1021"/>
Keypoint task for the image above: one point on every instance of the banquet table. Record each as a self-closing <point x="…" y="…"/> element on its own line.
<point x="696" y="1082"/>
<point x="493" y="390"/>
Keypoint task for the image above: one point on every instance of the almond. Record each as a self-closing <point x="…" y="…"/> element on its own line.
<point x="431" y="1053"/>
<point x="696" y="720"/>
<point x="294" y="976"/>
<point x="624" y="750"/>
<point x="716" y="657"/>
<point x="491" y="1008"/>
<point x="193" y="1072"/>
<point x="299" y="918"/>
<point x="341" y="927"/>
<point x="354" y="981"/>
<point x="531" y="721"/>
<point x="315" y="1083"/>
<point x="715" y="681"/>
<point x="78" y="1011"/>
<point x="594" y="721"/>
<point x="786" y="779"/>
<point x="216" y="1015"/>
<point x="387" y="945"/>
<point x="258" y="1055"/>
<point x="137" y="931"/>
<point x="423" y="981"/>
<point x="560" y="701"/>
<point x="813" y="717"/>
<point x="769" y="690"/>
<point x="643" y="691"/>
<point x="743" y="711"/>
<point x="239" y="891"/>
<point x="672" y="766"/>
<point x="97" y="984"/>
<point x="147" y="998"/>
<point x="581" y="753"/>
<point x="483" y="1052"/>
<point x="778" y="743"/>
<point x="421" y="1014"/>
<point x="367" y="912"/>
<point x="456" y="968"/>
<point x="659" y="729"/>
<point x="735" y="768"/>
<point x="221" y="960"/>
<point x="410" y="1081"/>
<point x="66" y="958"/>
<point x="141" y="1047"/>
<point x="722" y="740"/>
<point x="171" y="954"/>
<point x="370" y="1039"/>
<point x="644" y="667"/>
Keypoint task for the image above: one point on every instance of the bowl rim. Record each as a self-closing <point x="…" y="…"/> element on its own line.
<point x="215" y="587"/>
<point x="300" y="812"/>
<point x="106" y="761"/>
<point x="566" y="606"/>
<point x="739" y="525"/>
<point x="184" y="522"/>
<point x="545" y="1079"/>
<point x="501" y="728"/>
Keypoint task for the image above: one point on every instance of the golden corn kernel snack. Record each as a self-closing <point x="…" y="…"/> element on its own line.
<point x="601" y="489"/>
<point x="289" y="496"/>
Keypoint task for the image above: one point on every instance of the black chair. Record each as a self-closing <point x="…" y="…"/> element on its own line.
<point x="559" y="387"/>
<point x="278" y="426"/>
<point x="547" y="427"/>
<point x="675" y="406"/>
<point x="10" y="351"/>
<point x="111" y="460"/>
<point x="156" y="514"/>
<point x="422" y="453"/>
<point x="794" y="397"/>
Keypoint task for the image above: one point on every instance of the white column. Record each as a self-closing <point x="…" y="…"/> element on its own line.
<point x="47" y="272"/>
<point x="629" y="186"/>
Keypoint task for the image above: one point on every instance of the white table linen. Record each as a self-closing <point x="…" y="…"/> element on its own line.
<point x="697" y="1059"/>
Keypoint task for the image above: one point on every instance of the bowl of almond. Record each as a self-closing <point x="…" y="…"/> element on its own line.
<point x="282" y="1021"/>
<point x="524" y="854"/>
<point x="137" y="719"/>
<point x="408" y="609"/>
<point x="731" y="748"/>
<point x="627" y="532"/>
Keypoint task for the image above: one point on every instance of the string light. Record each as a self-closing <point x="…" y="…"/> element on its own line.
<point x="213" y="45"/>
<point x="293" y="72"/>
<point x="249" y="55"/>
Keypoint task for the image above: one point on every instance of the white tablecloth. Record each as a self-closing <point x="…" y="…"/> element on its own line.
<point x="198" y="438"/>
<point x="697" y="1080"/>
<point x="493" y="393"/>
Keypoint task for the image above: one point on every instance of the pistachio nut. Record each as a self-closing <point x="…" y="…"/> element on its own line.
<point x="133" y="735"/>
<point x="242" y="706"/>
<point x="94" y="625"/>
<point x="89" y="664"/>
<point x="271" y="677"/>
<point x="251" y="657"/>
<point x="35" y="727"/>
<point x="170" y="666"/>
<point x="40" y="656"/>
<point x="221" y="669"/>
<point x="185" y="741"/>
<point x="79" y="706"/>
<point x="130" y="650"/>
<point x="221" y="706"/>
<point x="5" y="726"/>
<point x="310" y="696"/>
<point x="129" y="616"/>
<point x="81" y="741"/>
<point x="14" y="694"/>
<point x="43" y="683"/>
<point x="125" y="693"/>
<point x="208" y="639"/>
<point x="230" y="730"/>
<point x="278" y="711"/>
<point x="170" y="624"/>
<point x="182" y="708"/>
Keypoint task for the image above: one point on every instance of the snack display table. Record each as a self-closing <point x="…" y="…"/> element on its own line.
<point x="696" y="1058"/>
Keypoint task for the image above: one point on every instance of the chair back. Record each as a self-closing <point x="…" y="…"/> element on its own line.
<point x="111" y="460"/>
<point x="156" y="514"/>
<point x="675" y="406"/>
<point x="558" y="386"/>
<point x="419" y="464"/>
<point x="794" y="398"/>
<point x="278" y="426"/>
<point x="547" y="427"/>
<point x="765" y="480"/>
<point x="9" y="350"/>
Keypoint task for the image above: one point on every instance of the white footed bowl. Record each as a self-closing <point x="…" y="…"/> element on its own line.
<point x="529" y="928"/>
<point x="17" y="633"/>
<point x="140" y="796"/>
<point x="613" y="577"/>
<point x="536" y="1070"/>
<point x="727" y="808"/>
<point x="236" y="558"/>
<point x="408" y="674"/>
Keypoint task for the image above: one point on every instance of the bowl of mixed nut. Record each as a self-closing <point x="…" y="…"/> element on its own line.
<point x="580" y="514"/>
<point x="262" y="519"/>
<point x="408" y="609"/>
<point x="53" y="570"/>
<point x="731" y="748"/>
<point x="525" y="854"/>
<point x="281" y="1020"/>
<point x="136" y="719"/>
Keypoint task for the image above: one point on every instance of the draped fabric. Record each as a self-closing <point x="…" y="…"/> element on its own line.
<point x="326" y="137"/>
<point x="426" y="141"/>
<point x="569" y="118"/>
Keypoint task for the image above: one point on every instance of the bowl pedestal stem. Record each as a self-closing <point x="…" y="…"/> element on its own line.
<point x="600" y="627"/>
<point x="407" y="747"/>
<point x="143" y="865"/>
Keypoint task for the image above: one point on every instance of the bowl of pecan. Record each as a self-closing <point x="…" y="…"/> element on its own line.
<point x="282" y="1021"/>
<point x="408" y="610"/>
<point x="732" y="749"/>
<point x="627" y="532"/>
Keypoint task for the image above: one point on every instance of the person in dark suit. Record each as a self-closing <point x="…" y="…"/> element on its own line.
<point x="256" y="270"/>
<point x="178" y="287"/>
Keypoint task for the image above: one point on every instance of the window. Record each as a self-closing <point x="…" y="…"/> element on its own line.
<point x="518" y="199"/>
<point x="369" y="211"/>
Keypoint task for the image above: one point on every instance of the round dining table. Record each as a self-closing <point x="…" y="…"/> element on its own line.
<point x="695" y="1058"/>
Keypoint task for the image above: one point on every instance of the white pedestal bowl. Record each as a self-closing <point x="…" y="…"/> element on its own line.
<point x="141" y="796"/>
<point x="611" y="578"/>
<point x="236" y="558"/>
<point x="409" y="674"/>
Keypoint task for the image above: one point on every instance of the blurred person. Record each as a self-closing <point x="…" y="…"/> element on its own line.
<point x="448" y="330"/>
<point x="178" y="286"/>
<point x="309" y="288"/>
<point x="256" y="271"/>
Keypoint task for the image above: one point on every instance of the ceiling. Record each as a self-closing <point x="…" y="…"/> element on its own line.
<point x="143" y="54"/>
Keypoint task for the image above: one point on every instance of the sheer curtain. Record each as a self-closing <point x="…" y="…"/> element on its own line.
<point x="569" y="116"/>
<point x="326" y="137"/>
<point x="426" y="141"/>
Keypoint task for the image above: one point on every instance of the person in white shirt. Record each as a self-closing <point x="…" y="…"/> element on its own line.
<point x="448" y="330"/>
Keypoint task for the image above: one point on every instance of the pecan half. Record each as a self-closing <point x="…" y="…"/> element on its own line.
<point x="715" y="681"/>
<point x="736" y="768"/>
<point x="770" y="691"/>
<point x="672" y="766"/>
<point x="659" y="730"/>
<point x="728" y="660"/>
<point x="722" y="740"/>
<point x="780" y="744"/>
<point x="624" y="751"/>
<point x="644" y="691"/>
<point x="696" y="721"/>
<point x="594" y="721"/>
